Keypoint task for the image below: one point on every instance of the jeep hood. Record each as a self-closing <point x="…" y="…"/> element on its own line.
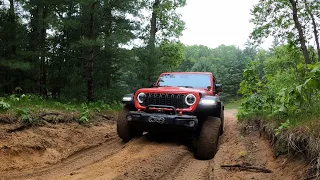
<point x="174" y="90"/>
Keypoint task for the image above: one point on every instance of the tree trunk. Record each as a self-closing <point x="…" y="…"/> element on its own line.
<point x="315" y="31"/>
<point x="90" y="95"/>
<point x="34" y="24"/>
<point x="34" y="47"/>
<point x="108" y="53"/>
<point x="42" y="40"/>
<point x="13" y="28"/>
<point x="40" y="18"/>
<point x="300" y="31"/>
<point x="59" y="83"/>
<point x="153" y="29"/>
<point x="151" y="63"/>
<point x="316" y="35"/>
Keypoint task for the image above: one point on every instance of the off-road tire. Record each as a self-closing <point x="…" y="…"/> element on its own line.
<point x="207" y="144"/>
<point x="125" y="131"/>
<point x="222" y="122"/>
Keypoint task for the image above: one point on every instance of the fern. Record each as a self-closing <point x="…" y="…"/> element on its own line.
<point x="4" y="105"/>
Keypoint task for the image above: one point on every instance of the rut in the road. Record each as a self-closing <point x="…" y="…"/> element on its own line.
<point x="189" y="168"/>
<point x="142" y="158"/>
<point x="78" y="160"/>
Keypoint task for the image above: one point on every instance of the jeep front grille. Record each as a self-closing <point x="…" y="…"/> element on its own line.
<point x="175" y="100"/>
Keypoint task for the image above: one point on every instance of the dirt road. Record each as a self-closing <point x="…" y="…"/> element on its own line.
<point x="142" y="158"/>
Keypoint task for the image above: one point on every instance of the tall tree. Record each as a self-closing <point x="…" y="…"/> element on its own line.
<point x="298" y="26"/>
<point x="13" y="28"/>
<point x="39" y="13"/>
<point x="282" y="19"/>
<point x="90" y="58"/>
<point x="310" y="9"/>
<point x="78" y="49"/>
<point x="165" y="26"/>
<point x="225" y="62"/>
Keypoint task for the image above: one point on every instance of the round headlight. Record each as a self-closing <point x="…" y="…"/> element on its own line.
<point x="190" y="99"/>
<point x="141" y="97"/>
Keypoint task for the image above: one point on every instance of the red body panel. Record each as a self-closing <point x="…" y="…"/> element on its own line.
<point x="178" y="90"/>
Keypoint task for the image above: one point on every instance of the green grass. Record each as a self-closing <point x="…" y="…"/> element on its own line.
<point x="28" y="107"/>
<point x="233" y="104"/>
<point x="37" y="102"/>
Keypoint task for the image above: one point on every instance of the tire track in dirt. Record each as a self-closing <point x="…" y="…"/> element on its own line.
<point x="191" y="168"/>
<point x="76" y="161"/>
<point x="142" y="158"/>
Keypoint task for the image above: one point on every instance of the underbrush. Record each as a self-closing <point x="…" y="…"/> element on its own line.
<point x="285" y="102"/>
<point x="294" y="141"/>
<point x="36" y="110"/>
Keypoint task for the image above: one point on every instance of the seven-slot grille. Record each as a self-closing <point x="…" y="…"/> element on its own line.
<point x="175" y="100"/>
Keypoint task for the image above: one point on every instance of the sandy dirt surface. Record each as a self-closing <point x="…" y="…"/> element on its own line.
<point x="70" y="151"/>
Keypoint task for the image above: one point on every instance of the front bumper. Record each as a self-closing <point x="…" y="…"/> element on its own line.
<point x="164" y="120"/>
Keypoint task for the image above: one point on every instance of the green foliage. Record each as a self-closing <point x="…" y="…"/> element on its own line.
<point x="251" y="83"/>
<point x="288" y="93"/>
<point x="279" y="19"/>
<point x="292" y="21"/>
<point x="84" y="114"/>
<point x="284" y="57"/>
<point x="225" y="62"/>
<point x="89" y="41"/>
<point x="28" y="107"/>
<point x="171" y="54"/>
<point x="4" y="105"/>
<point x="170" y="22"/>
<point x="26" y="118"/>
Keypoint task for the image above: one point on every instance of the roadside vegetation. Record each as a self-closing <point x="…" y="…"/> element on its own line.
<point x="36" y="110"/>
<point x="281" y="87"/>
<point x="232" y="104"/>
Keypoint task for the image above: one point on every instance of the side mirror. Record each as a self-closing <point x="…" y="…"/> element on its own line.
<point x="152" y="85"/>
<point x="217" y="88"/>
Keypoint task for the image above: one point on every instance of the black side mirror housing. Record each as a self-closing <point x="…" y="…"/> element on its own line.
<point x="152" y="85"/>
<point x="217" y="88"/>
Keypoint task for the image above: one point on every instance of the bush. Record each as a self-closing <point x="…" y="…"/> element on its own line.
<point x="287" y="102"/>
<point x="281" y="96"/>
<point x="84" y="114"/>
<point x="25" y="116"/>
<point x="4" y="105"/>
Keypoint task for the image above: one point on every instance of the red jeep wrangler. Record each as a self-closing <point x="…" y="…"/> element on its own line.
<point x="184" y="102"/>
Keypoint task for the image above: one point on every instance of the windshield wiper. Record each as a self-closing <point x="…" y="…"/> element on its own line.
<point x="186" y="86"/>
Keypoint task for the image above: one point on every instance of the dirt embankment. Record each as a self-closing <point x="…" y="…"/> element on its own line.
<point x="70" y="151"/>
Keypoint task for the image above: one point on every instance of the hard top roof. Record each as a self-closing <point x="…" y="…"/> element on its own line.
<point x="209" y="73"/>
<point x="186" y="73"/>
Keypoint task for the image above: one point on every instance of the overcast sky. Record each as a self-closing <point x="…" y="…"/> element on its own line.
<point x="216" y="22"/>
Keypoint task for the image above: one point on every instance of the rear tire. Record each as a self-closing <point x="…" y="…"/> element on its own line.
<point x="125" y="131"/>
<point x="207" y="144"/>
<point x="222" y="122"/>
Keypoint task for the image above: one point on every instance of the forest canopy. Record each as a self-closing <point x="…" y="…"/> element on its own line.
<point x="89" y="50"/>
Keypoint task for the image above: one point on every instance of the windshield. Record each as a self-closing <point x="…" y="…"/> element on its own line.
<point x="185" y="80"/>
